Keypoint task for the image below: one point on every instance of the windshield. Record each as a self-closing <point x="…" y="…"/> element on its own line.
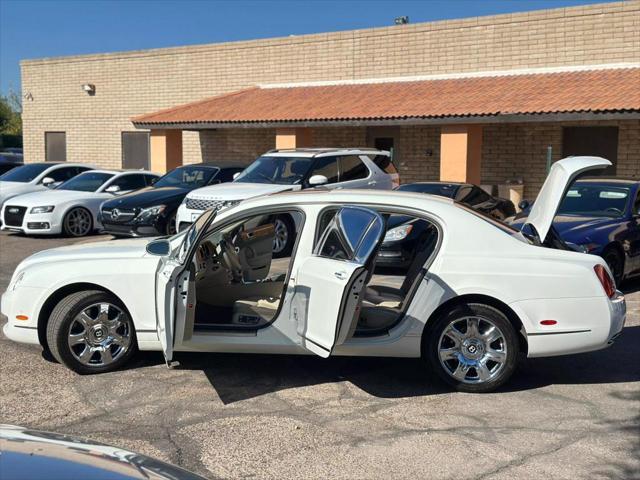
<point x="86" y="182"/>
<point x="188" y="177"/>
<point x="595" y="200"/>
<point x="280" y="170"/>
<point x="442" y="189"/>
<point x="24" y="174"/>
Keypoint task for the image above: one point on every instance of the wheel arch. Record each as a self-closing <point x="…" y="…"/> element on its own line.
<point x="483" y="299"/>
<point x="94" y="216"/>
<point x="55" y="298"/>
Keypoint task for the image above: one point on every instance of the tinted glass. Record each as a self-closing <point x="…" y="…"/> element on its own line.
<point x="25" y="173"/>
<point x="279" y="170"/>
<point x="354" y="223"/>
<point x="384" y="163"/>
<point x="130" y="182"/>
<point x="327" y="166"/>
<point x="370" y="241"/>
<point x="636" y="206"/>
<point x="595" y="200"/>
<point x="352" y="168"/>
<point x="150" y="179"/>
<point x="86" y="182"/>
<point x="472" y="196"/>
<point x="188" y="177"/>
<point x="442" y="189"/>
<point x="348" y="235"/>
<point x="64" y="174"/>
<point x="226" y="174"/>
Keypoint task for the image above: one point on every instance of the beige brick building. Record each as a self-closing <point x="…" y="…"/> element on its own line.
<point x="63" y="120"/>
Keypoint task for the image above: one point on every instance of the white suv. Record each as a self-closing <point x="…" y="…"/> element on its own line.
<point x="294" y="169"/>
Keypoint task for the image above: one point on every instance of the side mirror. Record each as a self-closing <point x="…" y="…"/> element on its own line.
<point x="523" y="205"/>
<point x="317" y="180"/>
<point x="154" y="180"/>
<point x="48" y="182"/>
<point x="112" y="189"/>
<point x="236" y="175"/>
<point x="160" y="247"/>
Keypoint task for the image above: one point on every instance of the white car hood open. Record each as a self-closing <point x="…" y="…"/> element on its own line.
<point x="113" y="249"/>
<point x="52" y="197"/>
<point x="560" y="178"/>
<point x="238" y="191"/>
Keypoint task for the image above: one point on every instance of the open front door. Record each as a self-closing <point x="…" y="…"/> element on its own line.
<point x="329" y="284"/>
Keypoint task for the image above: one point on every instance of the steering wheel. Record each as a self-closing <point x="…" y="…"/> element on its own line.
<point x="232" y="260"/>
<point x="615" y="210"/>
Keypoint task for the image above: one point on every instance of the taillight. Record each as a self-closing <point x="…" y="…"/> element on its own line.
<point x="605" y="279"/>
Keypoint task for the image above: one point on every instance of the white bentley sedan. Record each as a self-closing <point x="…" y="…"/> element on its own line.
<point x="71" y="208"/>
<point x="477" y="295"/>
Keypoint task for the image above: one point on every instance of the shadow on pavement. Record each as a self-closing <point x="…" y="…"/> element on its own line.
<point x="238" y="377"/>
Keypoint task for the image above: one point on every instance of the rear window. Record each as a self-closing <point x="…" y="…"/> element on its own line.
<point x="384" y="163"/>
<point x="496" y="223"/>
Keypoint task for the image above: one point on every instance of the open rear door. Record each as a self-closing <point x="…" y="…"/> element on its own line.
<point x="329" y="284"/>
<point x="562" y="174"/>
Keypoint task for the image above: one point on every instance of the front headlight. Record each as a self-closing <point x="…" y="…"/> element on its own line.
<point x="147" y="213"/>
<point x="45" y="209"/>
<point x="398" y="233"/>
<point x="230" y="203"/>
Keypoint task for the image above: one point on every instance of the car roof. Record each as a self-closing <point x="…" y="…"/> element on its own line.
<point x="320" y="152"/>
<point x="608" y="181"/>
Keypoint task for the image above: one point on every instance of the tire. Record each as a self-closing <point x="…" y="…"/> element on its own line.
<point x="615" y="261"/>
<point x="66" y="326"/>
<point x="171" y="227"/>
<point x="488" y="361"/>
<point x="285" y="247"/>
<point x="77" y="222"/>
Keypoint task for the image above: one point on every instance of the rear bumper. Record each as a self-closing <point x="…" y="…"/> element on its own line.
<point x="594" y="325"/>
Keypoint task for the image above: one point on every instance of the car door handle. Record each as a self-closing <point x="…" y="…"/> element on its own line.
<point x="372" y="182"/>
<point x="341" y="274"/>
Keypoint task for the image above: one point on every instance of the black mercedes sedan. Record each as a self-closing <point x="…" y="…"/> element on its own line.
<point x="152" y="210"/>
<point x="469" y="194"/>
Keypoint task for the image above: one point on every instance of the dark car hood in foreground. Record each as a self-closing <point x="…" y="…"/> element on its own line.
<point x="34" y="455"/>
<point x="148" y="197"/>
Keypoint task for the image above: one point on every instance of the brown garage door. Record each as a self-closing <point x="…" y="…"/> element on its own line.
<point x="595" y="141"/>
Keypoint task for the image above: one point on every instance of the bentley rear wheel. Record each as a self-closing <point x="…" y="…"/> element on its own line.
<point x="91" y="332"/>
<point x="473" y="348"/>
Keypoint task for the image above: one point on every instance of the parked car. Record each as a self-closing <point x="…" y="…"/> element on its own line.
<point x="71" y="208"/>
<point x="404" y="238"/>
<point x="294" y="169"/>
<point x="8" y="163"/>
<point x="28" y="454"/>
<point x="152" y="210"/>
<point x="480" y="296"/>
<point x="33" y="177"/>
<point x="11" y="155"/>
<point x="467" y="193"/>
<point x="601" y="216"/>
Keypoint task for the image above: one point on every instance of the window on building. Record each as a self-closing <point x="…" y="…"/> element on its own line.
<point x="135" y="150"/>
<point x="352" y="168"/>
<point x="327" y="166"/>
<point x="55" y="146"/>
<point x="592" y="141"/>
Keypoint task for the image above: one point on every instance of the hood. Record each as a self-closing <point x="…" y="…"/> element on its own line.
<point x="11" y="189"/>
<point x="30" y="453"/>
<point x="562" y="174"/>
<point x="147" y="197"/>
<point x="110" y="249"/>
<point x="51" y="197"/>
<point x="238" y="191"/>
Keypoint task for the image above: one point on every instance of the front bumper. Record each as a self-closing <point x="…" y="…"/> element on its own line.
<point x="36" y="224"/>
<point x="20" y="303"/>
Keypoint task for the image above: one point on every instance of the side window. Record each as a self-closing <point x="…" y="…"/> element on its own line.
<point x="150" y="179"/>
<point x="130" y="182"/>
<point x="475" y="196"/>
<point x="327" y="166"/>
<point x="63" y="174"/>
<point x="225" y="175"/>
<point x="352" y="234"/>
<point x="384" y="163"/>
<point x="636" y="205"/>
<point x="352" y="168"/>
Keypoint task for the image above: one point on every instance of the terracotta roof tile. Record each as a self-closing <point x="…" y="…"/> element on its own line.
<point x="585" y="91"/>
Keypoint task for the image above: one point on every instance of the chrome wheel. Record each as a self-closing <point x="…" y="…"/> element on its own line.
<point x="78" y="222"/>
<point x="281" y="237"/>
<point x="472" y="349"/>
<point x="99" y="335"/>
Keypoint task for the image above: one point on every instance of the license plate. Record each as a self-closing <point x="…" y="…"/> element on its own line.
<point x="194" y="217"/>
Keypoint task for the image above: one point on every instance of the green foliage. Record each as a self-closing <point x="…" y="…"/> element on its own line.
<point x="11" y="114"/>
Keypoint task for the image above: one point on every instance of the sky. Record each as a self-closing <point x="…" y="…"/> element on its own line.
<point x="37" y="28"/>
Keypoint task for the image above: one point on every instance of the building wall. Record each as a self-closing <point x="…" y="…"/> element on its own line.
<point x="133" y="83"/>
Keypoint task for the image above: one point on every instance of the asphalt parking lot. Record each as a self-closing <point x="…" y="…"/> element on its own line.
<point x="257" y="416"/>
